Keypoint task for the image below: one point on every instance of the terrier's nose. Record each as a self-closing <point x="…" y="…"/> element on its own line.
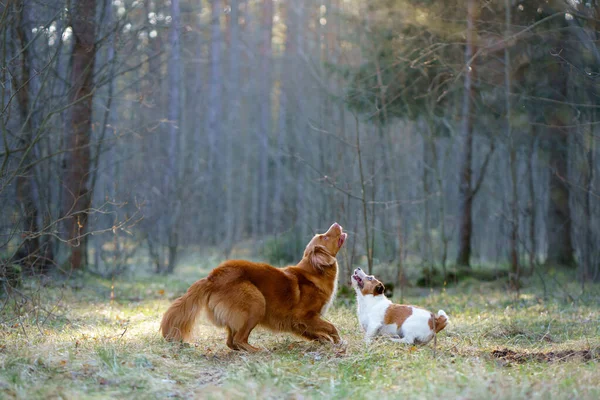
<point x="359" y="269"/>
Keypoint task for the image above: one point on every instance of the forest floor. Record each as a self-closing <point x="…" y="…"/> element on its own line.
<point x="77" y="342"/>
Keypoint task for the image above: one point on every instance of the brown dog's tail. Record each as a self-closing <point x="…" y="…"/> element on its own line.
<point x="441" y="320"/>
<point x="178" y="322"/>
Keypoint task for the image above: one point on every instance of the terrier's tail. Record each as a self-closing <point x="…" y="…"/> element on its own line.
<point x="441" y="320"/>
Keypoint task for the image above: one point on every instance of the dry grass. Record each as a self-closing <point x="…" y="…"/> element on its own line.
<point x="95" y="348"/>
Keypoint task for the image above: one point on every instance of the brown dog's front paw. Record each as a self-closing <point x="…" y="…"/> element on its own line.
<point x="323" y="338"/>
<point x="337" y="339"/>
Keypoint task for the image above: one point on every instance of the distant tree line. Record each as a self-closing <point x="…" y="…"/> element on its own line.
<point x="440" y="134"/>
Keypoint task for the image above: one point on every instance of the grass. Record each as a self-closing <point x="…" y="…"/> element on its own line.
<point x="95" y="347"/>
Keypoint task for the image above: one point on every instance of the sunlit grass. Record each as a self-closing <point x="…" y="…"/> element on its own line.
<point x="95" y="347"/>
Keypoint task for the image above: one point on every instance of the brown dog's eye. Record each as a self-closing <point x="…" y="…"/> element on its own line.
<point x="370" y="278"/>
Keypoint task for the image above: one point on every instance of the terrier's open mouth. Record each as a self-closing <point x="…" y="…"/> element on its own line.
<point x="359" y="281"/>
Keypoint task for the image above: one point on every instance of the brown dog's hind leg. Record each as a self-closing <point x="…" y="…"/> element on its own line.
<point x="253" y="316"/>
<point x="230" y="344"/>
<point x="240" y="315"/>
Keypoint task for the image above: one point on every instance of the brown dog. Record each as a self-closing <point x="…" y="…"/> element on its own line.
<point x="239" y="295"/>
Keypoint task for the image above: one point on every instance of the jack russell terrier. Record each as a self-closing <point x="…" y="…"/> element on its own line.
<point x="379" y="316"/>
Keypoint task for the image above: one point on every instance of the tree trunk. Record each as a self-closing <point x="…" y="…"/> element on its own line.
<point x="172" y="173"/>
<point x="285" y="118"/>
<point x="444" y="236"/>
<point x="514" y="206"/>
<point x="532" y="206"/>
<point x="76" y="194"/>
<point x="364" y="199"/>
<point x="213" y="123"/>
<point x="299" y="126"/>
<point x="588" y="178"/>
<point x="174" y="83"/>
<point x="173" y="249"/>
<point x="558" y="219"/>
<point x="234" y="131"/>
<point x="400" y="274"/>
<point x="466" y="172"/>
<point x="199" y="118"/>
<point x="428" y="166"/>
<point x="25" y="181"/>
<point x="265" y="114"/>
<point x="593" y="268"/>
<point x="104" y="177"/>
<point x="558" y="226"/>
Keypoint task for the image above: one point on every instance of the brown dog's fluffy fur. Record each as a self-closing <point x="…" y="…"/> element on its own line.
<point x="239" y="295"/>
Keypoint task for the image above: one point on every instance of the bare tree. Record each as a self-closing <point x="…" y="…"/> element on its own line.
<point x="558" y="226"/>
<point x="514" y="204"/>
<point x="466" y="169"/>
<point x="76" y="192"/>
<point x="25" y="181"/>
<point x="213" y="121"/>
<point x="265" y="125"/>
<point x="172" y="173"/>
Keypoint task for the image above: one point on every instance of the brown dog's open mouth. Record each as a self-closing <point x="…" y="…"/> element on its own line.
<point x="342" y="239"/>
<point x="359" y="281"/>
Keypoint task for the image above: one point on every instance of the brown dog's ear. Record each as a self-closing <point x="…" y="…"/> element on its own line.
<point x="320" y="258"/>
<point x="379" y="289"/>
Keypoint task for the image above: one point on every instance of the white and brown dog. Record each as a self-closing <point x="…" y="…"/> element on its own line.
<point x="379" y="316"/>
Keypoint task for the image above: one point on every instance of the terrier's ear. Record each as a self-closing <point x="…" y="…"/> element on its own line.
<point x="379" y="289"/>
<point x="320" y="258"/>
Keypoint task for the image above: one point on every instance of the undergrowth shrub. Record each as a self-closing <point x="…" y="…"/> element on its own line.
<point x="434" y="277"/>
<point x="283" y="249"/>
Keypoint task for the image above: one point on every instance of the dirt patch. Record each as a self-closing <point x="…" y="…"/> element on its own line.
<point x="551" y="356"/>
